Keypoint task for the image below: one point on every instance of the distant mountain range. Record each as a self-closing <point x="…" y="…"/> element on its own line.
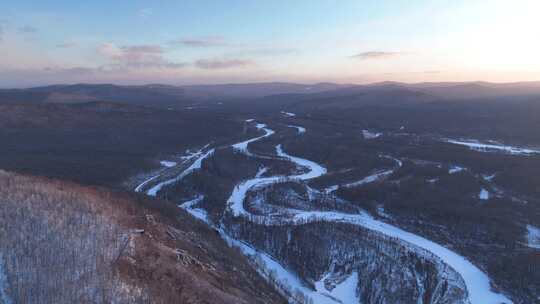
<point x="158" y="95"/>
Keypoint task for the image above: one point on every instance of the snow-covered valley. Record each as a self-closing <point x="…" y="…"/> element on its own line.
<point x="467" y="277"/>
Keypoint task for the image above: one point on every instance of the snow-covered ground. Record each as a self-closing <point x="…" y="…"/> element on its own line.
<point x="301" y="130"/>
<point x="168" y="163"/>
<point x="196" y="165"/>
<point x="492" y="147"/>
<point x="371" y="135"/>
<point x="289" y="114"/>
<point x="533" y="236"/>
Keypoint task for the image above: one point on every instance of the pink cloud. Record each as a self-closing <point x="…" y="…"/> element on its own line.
<point x="137" y="56"/>
<point x="213" y="64"/>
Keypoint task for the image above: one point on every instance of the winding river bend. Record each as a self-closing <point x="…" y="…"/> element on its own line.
<point x="477" y="283"/>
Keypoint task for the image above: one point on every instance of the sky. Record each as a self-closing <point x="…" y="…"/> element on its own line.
<point x="232" y="41"/>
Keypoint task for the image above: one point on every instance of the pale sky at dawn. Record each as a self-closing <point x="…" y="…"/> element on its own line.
<point x="201" y="41"/>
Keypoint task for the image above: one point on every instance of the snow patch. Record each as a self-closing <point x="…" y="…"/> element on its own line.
<point x="378" y="176"/>
<point x="331" y="189"/>
<point x="289" y="114"/>
<point x="344" y="292"/>
<point x="167" y="163"/>
<point x="370" y="179"/>
<point x="533" y="237"/>
<point x="455" y="169"/>
<point x="371" y="135"/>
<point x="493" y="147"/>
<point x="483" y="195"/>
<point x="489" y="178"/>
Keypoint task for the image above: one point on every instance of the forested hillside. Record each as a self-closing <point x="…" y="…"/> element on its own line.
<point x="64" y="243"/>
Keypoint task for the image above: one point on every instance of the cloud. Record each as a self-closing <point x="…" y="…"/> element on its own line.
<point x="265" y="52"/>
<point x="1" y="32"/>
<point x="202" y="42"/>
<point x="73" y="71"/>
<point x="215" y="64"/>
<point x="145" y="13"/>
<point x="27" y="29"/>
<point x="376" y="55"/>
<point x="137" y="56"/>
<point x="66" y="45"/>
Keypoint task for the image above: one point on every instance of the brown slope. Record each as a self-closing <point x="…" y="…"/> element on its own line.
<point x="65" y="243"/>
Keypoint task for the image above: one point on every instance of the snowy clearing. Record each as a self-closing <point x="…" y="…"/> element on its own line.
<point x="491" y="147"/>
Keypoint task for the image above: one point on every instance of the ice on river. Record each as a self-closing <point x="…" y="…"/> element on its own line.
<point x="301" y="130"/>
